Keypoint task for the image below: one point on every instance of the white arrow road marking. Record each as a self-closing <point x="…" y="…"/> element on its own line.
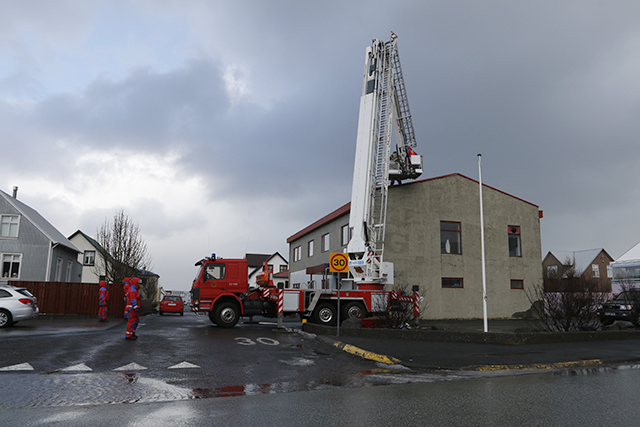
<point x="130" y="367"/>
<point x="20" y="367"/>
<point x="78" y="367"/>
<point x="183" y="365"/>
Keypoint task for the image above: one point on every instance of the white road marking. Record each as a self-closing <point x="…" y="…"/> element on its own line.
<point x="19" y="367"/>
<point x="130" y="367"/>
<point x="78" y="367"/>
<point x="183" y="365"/>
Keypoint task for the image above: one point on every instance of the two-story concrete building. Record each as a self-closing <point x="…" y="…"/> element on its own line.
<point x="433" y="238"/>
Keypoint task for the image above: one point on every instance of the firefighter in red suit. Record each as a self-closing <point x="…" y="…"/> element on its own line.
<point x="103" y="299"/>
<point x="133" y="300"/>
<point x="127" y="286"/>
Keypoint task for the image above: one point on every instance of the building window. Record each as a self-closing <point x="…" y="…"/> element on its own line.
<point x="450" y="238"/>
<point x="270" y="267"/>
<point x="324" y="245"/>
<point x="595" y="271"/>
<point x="552" y="271"/>
<point x="283" y="268"/>
<point x="448" y="282"/>
<point x="59" y="270"/>
<point x="310" y="245"/>
<point x="11" y="265"/>
<point x="517" y="284"/>
<point x="9" y="225"/>
<point x="345" y="235"/>
<point x="297" y="253"/>
<point x="514" y="241"/>
<point x="69" y="269"/>
<point x="609" y="271"/>
<point x="89" y="258"/>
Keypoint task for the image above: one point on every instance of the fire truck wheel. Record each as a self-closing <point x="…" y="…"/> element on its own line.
<point x="212" y="317"/>
<point x="325" y="314"/>
<point x="355" y="310"/>
<point x="227" y="315"/>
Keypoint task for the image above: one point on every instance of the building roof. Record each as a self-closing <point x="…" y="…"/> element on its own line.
<point x="581" y="259"/>
<point x="39" y="222"/>
<point x="632" y="255"/>
<point x="344" y="210"/>
<point x="90" y="239"/>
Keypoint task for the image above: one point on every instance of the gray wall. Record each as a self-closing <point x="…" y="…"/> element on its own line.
<point x="413" y="245"/>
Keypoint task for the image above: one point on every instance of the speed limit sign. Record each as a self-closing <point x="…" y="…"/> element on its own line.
<point x="339" y="262"/>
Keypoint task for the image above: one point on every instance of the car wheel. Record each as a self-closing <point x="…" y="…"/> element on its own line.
<point x="324" y="314"/>
<point x="354" y="310"/>
<point x="5" y="319"/>
<point x="227" y="315"/>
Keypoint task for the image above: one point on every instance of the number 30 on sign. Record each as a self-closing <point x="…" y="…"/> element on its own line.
<point x="339" y="262"/>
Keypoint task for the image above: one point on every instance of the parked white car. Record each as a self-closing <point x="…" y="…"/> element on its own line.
<point x="16" y="304"/>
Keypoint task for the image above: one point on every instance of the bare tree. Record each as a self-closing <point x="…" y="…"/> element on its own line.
<point x="566" y="303"/>
<point x="123" y="248"/>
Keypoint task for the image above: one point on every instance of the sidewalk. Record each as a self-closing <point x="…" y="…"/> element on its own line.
<point x="463" y="344"/>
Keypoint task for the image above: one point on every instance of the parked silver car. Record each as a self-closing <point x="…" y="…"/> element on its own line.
<point x="16" y="304"/>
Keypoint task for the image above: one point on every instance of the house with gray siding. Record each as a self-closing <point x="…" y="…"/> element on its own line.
<point x="433" y="237"/>
<point x="31" y="249"/>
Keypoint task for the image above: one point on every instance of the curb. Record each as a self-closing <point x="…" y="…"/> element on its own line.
<point x="558" y="365"/>
<point x="351" y="349"/>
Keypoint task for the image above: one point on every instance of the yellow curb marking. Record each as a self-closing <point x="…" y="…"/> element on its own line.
<point x="366" y="354"/>
<point x="559" y="365"/>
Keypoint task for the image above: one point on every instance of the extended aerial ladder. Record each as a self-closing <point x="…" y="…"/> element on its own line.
<point x="384" y="107"/>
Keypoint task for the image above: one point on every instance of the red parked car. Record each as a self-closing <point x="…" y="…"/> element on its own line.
<point x="172" y="304"/>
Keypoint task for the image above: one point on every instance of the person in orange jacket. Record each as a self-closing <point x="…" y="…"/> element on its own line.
<point x="103" y="299"/>
<point x="133" y="300"/>
<point x="127" y="286"/>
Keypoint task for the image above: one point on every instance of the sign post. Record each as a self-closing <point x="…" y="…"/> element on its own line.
<point x="339" y="263"/>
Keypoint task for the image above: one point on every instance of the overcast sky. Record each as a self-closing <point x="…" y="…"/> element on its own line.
<point x="228" y="126"/>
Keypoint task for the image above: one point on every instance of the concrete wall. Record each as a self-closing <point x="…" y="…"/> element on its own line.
<point x="413" y="245"/>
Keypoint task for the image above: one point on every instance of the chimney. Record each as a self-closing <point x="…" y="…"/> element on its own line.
<point x="15" y="192"/>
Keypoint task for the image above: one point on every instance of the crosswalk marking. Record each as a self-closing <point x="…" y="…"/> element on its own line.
<point x="75" y="368"/>
<point x="183" y="365"/>
<point x="130" y="367"/>
<point x="19" y="367"/>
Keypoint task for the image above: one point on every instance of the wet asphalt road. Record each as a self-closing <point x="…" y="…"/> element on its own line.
<point x="175" y="358"/>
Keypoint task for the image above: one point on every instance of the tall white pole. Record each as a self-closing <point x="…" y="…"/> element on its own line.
<point x="484" y="265"/>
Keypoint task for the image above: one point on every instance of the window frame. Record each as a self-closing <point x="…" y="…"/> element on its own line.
<point x="515" y="282"/>
<point x="595" y="271"/>
<point x="310" y="247"/>
<point x="451" y="230"/>
<point x="345" y="235"/>
<point x="92" y="259"/>
<point x="449" y="286"/>
<point x="297" y="253"/>
<point x="9" y="225"/>
<point x="515" y="231"/>
<point x="325" y="242"/>
<point x="11" y="262"/>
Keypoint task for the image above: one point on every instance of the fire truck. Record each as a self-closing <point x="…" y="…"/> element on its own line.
<point x="221" y="286"/>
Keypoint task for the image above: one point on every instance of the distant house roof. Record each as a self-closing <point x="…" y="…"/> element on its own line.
<point x="39" y="222"/>
<point x="632" y="255"/>
<point x="345" y="209"/>
<point x="258" y="268"/>
<point x="580" y="259"/>
<point x="90" y="239"/>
